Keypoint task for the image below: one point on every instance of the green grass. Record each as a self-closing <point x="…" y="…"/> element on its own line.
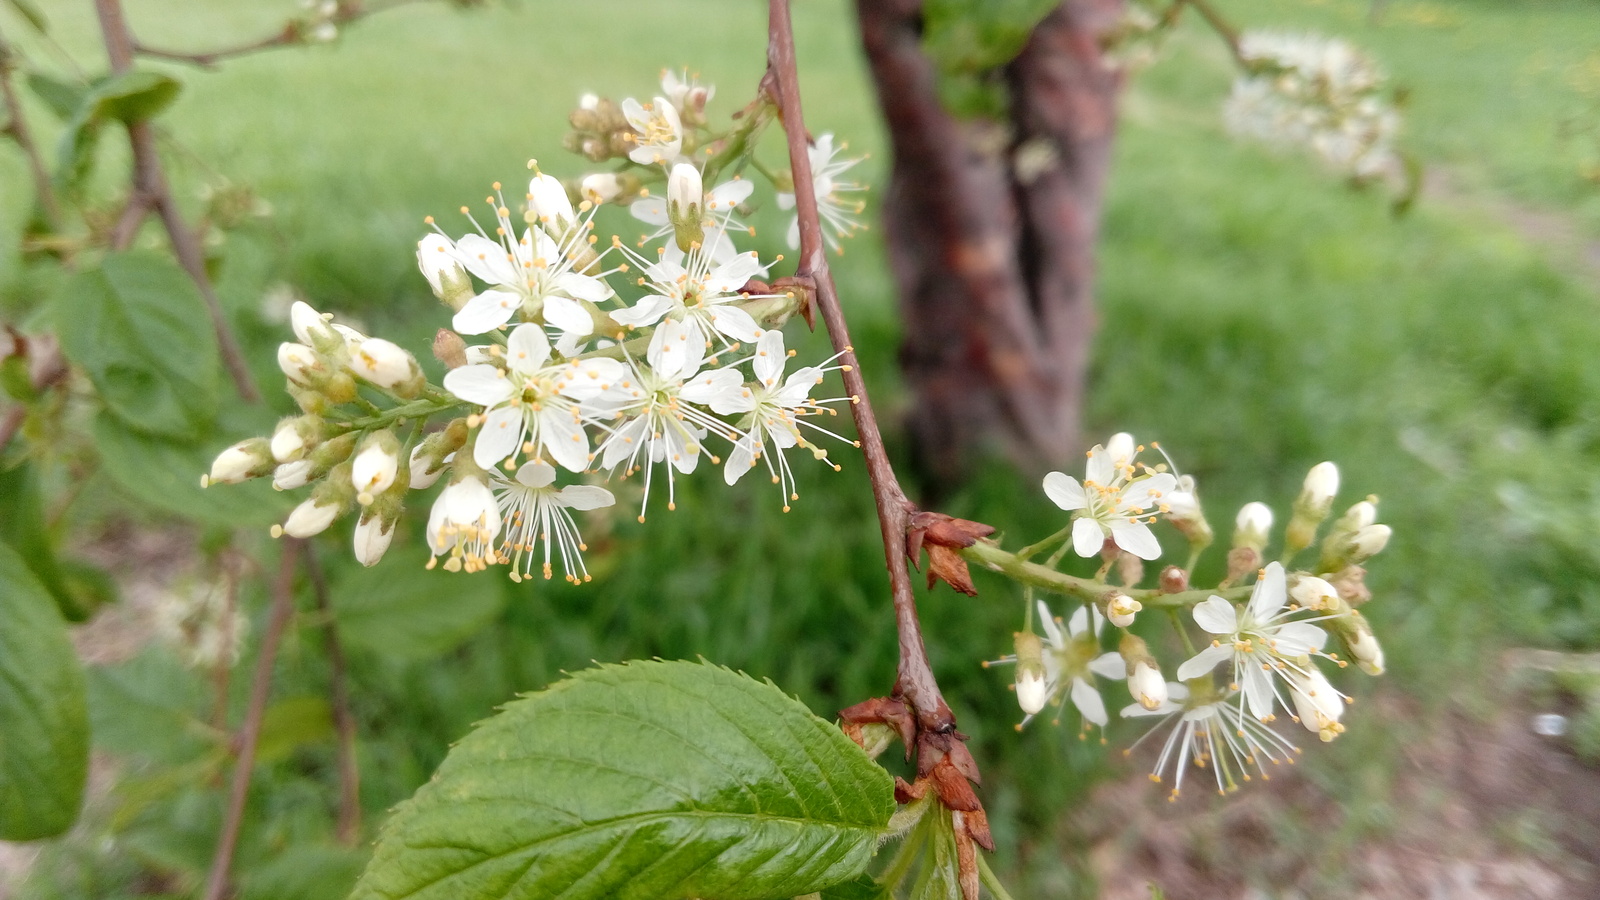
<point x="1257" y="317"/>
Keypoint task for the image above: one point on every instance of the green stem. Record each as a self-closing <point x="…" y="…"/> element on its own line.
<point x="1029" y="551"/>
<point x="421" y="408"/>
<point x="990" y="880"/>
<point x="993" y="558"/>
<point x="1177" y="625"/>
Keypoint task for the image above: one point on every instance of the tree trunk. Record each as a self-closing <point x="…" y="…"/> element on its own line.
<point x="991" y="228"/>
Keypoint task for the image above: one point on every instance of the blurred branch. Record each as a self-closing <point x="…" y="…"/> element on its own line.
<point x="250" y="731"/>
<point x="289" y="35"/>
<point x="344" y="722"/>
<point x="916" y="684"/>
<point x="17" y="127"/>
<point x="151" y="191"/>
<point x="1223" y="28"/>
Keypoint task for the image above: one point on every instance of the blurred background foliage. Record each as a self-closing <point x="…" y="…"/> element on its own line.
<point x="1256" y="317"/>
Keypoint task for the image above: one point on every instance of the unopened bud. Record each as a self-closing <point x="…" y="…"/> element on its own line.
<point x="429" y="458"/>
<point x="1252" y="526"/>
<point x="589" y="101"/>
<point x="1314" y="593"/>
<point x="1130" y="569"/>
<point x="311" y="517"/>
<point x="301" y="364"/>
<point x="1183" y="511"/>
<point x="449" y="348"/>
<point x="373" y="469"/>
<point x="1351" y="583"/>
<point x="1317" y="704"/>
<point x="295" y="436"/>
<point x="1369" y="542"/>
<point x="372" y="538"/>
<point x="549" y="204"/>
<point x="388" y="366"/>
<point x="1365" y="648"/>
<point x="1032" y="689"/>
<point x="291" y="475"/>
<point x="1121" y="448"/>
<point x="685" y="202"/>
<point x="1145" y="681"/>
<point x="1174" y="580"/>
<point x="1121" y="608"/>
<point x="310" y="327"/>
<point x="449" y="281"/>
<point x="1316" y="498"/>
<point x="600" y="187"/>
<point x="247" y="459"/>
<point x="1242" y="561"/>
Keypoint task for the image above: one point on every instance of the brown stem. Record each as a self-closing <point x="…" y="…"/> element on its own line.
<point x="210" y="58"/>
<point x="1221" y="26"/>
<point x="150" y="183"/>
<point x="915" y="684"/>
<point x="17" y="126"/>
<point x="250" y="731"/>
<point x="344" y="722"/>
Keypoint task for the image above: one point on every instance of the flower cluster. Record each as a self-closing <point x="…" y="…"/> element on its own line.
<point x="1318" y="93"/>
<point x="590" y="360"/>
<point x="1266" y="639"/>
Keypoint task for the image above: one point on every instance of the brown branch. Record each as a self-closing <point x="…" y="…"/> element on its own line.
<point x="1223" y="28"/>
<point x="250" y="731"/>
<point x="150" y="182"/>
<point x="344" y="722"/>
<point x="210" y="58"/>
<point x="17" y="127"/>
<point x="916" y="684"/>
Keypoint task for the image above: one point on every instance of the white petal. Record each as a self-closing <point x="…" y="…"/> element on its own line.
<point x="498" y="437"/>
<point x="785" y="201"/>
<point x="1296" y="638"/>
<point x="729" y="194"/>
<point x="1088" y="701"/>
<point x="1203" y="662"/>
<point x="732" y="275"/>
<point x="1079" y="623"/>
<point x="1052" y="628"/>
<point x="769" y="358"/>
<point x="1270" y="593"/>
<point x="740" y="459"/>
<point x="583" y="287"/>
<point x="527" y="350"/>
<point x="1065" y="491"/>
<point x="486" y="312"/>
<point x="1150" y="491"/>
<point x="1087" y="537"/>
<point x="798" y="386"/>
<point x="1109" y="665"/>
<point x="1216" y="615"/>
<point x="1136" y="538"/>
<point x="565" y="438"/>
<point x="677" y="349"/>
<point x="1258" y="689"/>
<point x="647" y="311"/>
<point x="649" y="210"/>
<point x="585" y="496"/>
<point x="536" y="474"/>
<point x="568" y="315"/>
<point x="486" y="259"/>
<point x="483" y="385"/>
<point x="1100" y="470"/>
<point x="735" y="323"/>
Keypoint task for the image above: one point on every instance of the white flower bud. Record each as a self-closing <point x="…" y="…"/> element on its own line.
<point x="291" y="475"/>
<point x="299" y="362"/>
<point x="247" y="459"/>
<point x="310" y="518"/>
<point x="287" y="442"/>
<point x="1317" y="704"/>
<point x="449" y="281"/>
<point x="1032" y="692"/>
<point x="375" y="465"/>
<point x="1314" y="593"/>
<point x="589" y="101"/>
<point x="372" y="539"/>
<point x="1252" y="526"/>
<point x="308" y="324"/>
<point x="1360" y="516"/>
<point x="1368" y="652"/>
<point x="1121" y="448"/>
<point x="421" y="478"/>
<point x="685" y="192"/>
<point x="1148" y="686"/>
<point x="1369" y="542"/>
<point x="384" y="363"/>
<point x="601" y="187"/>
<point x="548" y="202"/>
<point x="1120" y="609"/>
<point x="1321" y="484"/>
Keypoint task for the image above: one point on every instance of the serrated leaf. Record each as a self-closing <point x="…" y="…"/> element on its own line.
<point x="402" y="612"/>
<point x="646" y="781"/>
<point x="165" y="475"/>
<point x="304" y="872"/>
<point x="139" y="329"/>
<point x="23" y="529"/>
<point x="134" y="96"/>
<point x="44" y="723"/>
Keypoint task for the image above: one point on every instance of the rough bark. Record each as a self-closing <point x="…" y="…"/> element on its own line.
<point x="991" y="227"/>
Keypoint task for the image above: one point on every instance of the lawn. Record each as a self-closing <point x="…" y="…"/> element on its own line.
<point x="1258" y="316"/>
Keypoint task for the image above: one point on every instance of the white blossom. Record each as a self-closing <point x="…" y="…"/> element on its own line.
<point x="1112" y="502"/>
<point x="836" y="205"/>
<point x="1072" y="659"/>
<point x="534" y="405"/>
<point x="463" y="523"/>
<point x="699" y="292"/>
<point x="1212" y="734"/>
<point x="658" y="131"/>
<point x="715" y="210"/>
<point x="535" y="511"/>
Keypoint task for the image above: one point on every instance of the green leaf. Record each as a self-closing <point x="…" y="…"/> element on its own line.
<point x="63" y="97"/>
<point x="304" y="872"/>
<point x="23" y="529"/>
<point x="44" y="722"/>
<point x="165" y="475"/>
<point x="404" y="612"/>
<point x="647" y="781"/>
<point x="139" y="329"/>
<point x="968" y="40"/>
<point x="134" y="96"/>
<point x="32" y="14"/>
<point x="291" y="724"/>
<point x="862" y="887"/>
